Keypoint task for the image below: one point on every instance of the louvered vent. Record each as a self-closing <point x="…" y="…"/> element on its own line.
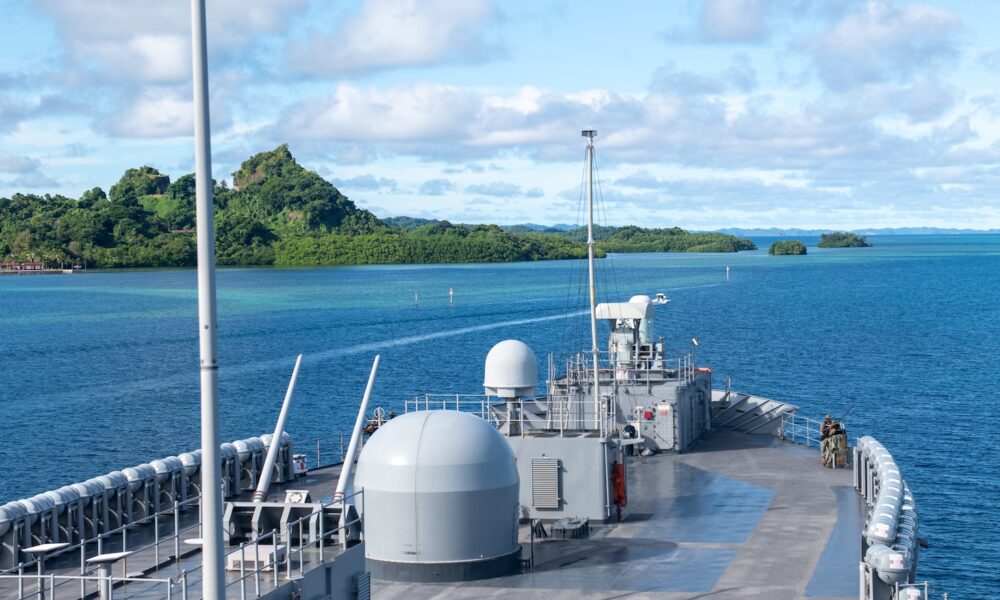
<point x="363" y="586"/>
<point x="545" y="482"/>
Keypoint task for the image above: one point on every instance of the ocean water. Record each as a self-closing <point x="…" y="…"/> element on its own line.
<point x="98" y="371"/>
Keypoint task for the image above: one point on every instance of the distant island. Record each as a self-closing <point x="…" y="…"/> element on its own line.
<point x="777" y="232"/>
<point x="787" y="247"/>
<point x="842" y="239"/>
<point x="279" y="213"/>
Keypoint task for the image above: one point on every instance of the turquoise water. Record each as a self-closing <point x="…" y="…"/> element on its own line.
<point x="100" y="369"/>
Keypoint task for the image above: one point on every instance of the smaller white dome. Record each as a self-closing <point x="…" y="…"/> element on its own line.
<point x="640" y="299"/>
<point x="511" y="370"/>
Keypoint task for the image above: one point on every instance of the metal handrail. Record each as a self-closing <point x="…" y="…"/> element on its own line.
<point x="564" y="415"/>
<point x="83" y="579"/>
<point x="123" y="529"/>
<point x="274" y="564"/>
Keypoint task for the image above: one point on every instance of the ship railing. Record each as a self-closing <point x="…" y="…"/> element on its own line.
<point x="249" y="581"/>
<point x="111" y="537"/>
<point x="578" y="369"/>
<point x="331" y="448"/>
<point x="562" y="414"/>
<point x="49" y="585"/>
<point x="477" y="404"/>
<point x="800" y="430"/>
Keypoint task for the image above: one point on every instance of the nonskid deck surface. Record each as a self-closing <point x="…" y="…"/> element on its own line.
<point x="742" y="516"/>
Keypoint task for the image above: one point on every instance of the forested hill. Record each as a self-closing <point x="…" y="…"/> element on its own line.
<point x="276" y="213"/>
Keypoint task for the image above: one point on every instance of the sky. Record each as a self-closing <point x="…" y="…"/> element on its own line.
<point x="709" y="113"/>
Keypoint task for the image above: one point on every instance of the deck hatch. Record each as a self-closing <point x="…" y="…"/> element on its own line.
<point x="545" y="482"/>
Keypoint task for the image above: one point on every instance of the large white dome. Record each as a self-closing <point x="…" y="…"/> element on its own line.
<point x="440" y="498"/>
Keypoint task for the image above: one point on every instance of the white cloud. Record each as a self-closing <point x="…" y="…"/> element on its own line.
<point x="436" y="187"/>
<point x="153" y="114"/>
<point x="733" y="20"/>
<point x="499" y="189"/>
<point x="397" y="33"/>
<point x="149" y="40"/>
<point x="12" y="163"/>
<point x="880" y="42"/>
<point x="423" y="112"/>
<point x="366" y="182"/>
<point x="34" y="180"/>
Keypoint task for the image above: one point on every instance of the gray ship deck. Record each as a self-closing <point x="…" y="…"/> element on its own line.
<point x="743" y="516"/>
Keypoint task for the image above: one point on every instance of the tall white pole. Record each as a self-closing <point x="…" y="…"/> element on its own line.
<point x="213" y="578"/>
<point x="589" y="134"/>
<point x="272" y="452"/>
<point x="352" y="447"/>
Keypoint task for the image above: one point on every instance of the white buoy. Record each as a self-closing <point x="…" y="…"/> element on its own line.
<point x="416" y="300"/>
<point x="727" y="273"/>
<point x="451" y="295"/>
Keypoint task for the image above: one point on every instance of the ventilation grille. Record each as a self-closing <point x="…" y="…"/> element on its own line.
<point x="545" y="482"/>
<point x="363" y="586"/>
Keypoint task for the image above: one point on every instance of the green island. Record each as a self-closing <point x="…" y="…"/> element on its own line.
<point x="843" y="239"/>
<point x="279" y="213"/>
<point x="787" y="248"/>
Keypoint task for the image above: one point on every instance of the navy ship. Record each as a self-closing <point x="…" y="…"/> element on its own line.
<point x="628" y="473"/>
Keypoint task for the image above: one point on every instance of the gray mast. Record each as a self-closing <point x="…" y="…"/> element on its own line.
<point x="213" y="583"/>
<point x="589" y="134"/>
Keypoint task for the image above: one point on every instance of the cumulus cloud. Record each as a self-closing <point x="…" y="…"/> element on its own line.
<point x="398" y="33"/>
<point x="34" y="180"/>
<point x="27" y="170"/>
<point x="733" y="20"/>
<point x="502" y="189"/>
<point x="149" y="41"/>
<point x="153" y="114"/>
<point x="366" y="182"/>
<point x="436" y="187"/>
<point x="640" y="180"/>
<point x="496" y="188"/>
<point x="411" y="112"/>
<point x="739" y="75"/>
<point x="13" y="163"/>
<point x="881" y="42"/>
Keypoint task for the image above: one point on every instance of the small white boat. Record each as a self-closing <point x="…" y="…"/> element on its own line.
<point x="661" y="298"/>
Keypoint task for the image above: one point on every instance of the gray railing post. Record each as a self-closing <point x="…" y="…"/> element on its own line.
<point x="256" y="565"/>
<point x="243" y="572"/>
<point x="275" y="567"/>
<point x="301" y="568"/>
<point x="83" y="565"/>
<point x="342" y="446"/>
<point x="317" y="454"/>
<point x="177" y="532"/>
<point x="184" y="585"/>
<point x="156" y="540"/>
<point x="321" y="536"/>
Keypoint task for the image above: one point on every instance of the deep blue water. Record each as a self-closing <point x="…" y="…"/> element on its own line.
<point x="99" y="370"/>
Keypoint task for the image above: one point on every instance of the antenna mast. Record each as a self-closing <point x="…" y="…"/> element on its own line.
<point x="589" y="134"/>
<point x="213" y="581"/>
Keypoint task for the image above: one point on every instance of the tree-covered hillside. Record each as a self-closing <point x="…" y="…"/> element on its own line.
<point x="279" y="213"/>
<point x="638" y="239"/>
